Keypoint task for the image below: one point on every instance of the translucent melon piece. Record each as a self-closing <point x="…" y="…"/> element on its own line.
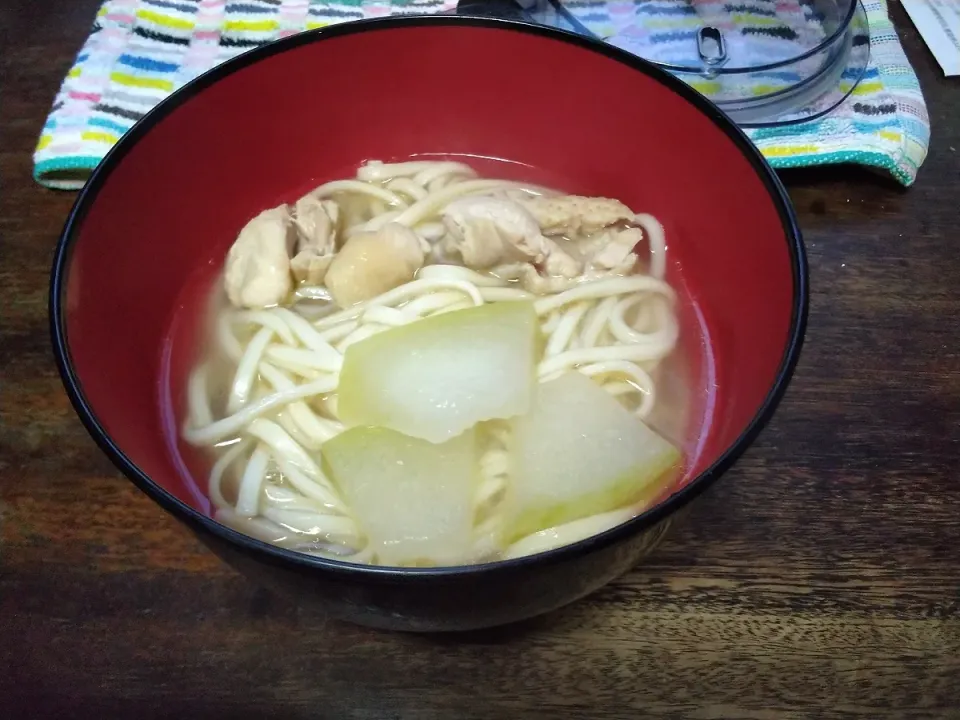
<point x="413" y="499"/>
<point x="579" y="452"/>
<point x="437" y="377"/>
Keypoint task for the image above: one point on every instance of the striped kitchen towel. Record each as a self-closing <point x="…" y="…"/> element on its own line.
<point x="142" y="50"/>
<point x="882" y="124"/>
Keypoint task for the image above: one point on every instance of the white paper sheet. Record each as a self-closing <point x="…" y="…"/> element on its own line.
<point x="938" y="22"/>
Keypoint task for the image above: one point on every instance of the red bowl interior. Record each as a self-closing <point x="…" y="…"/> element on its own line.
<point x="155" y="223"/>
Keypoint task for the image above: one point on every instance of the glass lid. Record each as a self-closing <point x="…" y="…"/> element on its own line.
<point x="765" y="62"/>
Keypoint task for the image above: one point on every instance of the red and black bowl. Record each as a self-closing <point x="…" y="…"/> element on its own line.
<point x="150" y="231"/>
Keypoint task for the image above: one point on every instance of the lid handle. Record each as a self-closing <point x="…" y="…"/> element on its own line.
<point x="711" y="48"/>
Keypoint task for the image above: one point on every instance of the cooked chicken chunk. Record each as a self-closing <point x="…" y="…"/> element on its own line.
<point x="485" y="231"/>
<point x="531" y="280"/>
<point x="572" y="215"/>
<point x="316" y="224"/>
<point x="611" y="251"/>
<point x="489" y="231"/>
<point x="258" y="265"/>
<point x="371" y="263"/>
<point x="507" y="234"/>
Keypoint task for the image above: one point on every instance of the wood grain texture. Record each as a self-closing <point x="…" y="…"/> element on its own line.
<point x="821" y="578"/>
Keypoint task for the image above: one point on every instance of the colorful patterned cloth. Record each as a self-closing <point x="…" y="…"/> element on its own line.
<point x="883" y="124"/>
<point x="142" y="50"/>
<point x="755" y="32"/>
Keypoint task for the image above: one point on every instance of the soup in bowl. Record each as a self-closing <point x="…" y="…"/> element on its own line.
<point x="436" y="353"/>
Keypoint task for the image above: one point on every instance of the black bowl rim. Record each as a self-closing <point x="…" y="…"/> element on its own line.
<point x="290" y="559"/>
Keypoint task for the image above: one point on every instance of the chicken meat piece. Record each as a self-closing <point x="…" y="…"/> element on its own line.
<point x="560" y="264"/>
<point x="573" y="215"/>
<point x="486" y="231"/>
<point x="531" y="280"/>
<point x="316" y="225"/>
<point x="370" y="263"/>
<point x="257" y="273"/>
<point x="507" y="235"/>
<point x="490" y="231"/>
<point x="611" y="251"/>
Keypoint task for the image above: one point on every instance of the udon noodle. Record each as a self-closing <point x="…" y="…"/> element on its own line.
<point x="264" y="400"/>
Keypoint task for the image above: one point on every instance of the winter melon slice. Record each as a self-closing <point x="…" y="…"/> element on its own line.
<point x="579" y="452"/>
<point x="413" y="499"/>
<point x="435" y="378"/>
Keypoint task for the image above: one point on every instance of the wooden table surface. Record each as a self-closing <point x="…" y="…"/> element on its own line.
<point x="821" y="578"/>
